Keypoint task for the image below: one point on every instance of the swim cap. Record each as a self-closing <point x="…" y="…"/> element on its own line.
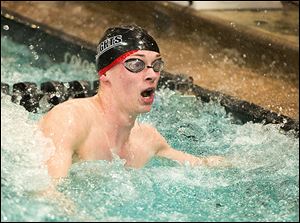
<point x="120" y="42"/>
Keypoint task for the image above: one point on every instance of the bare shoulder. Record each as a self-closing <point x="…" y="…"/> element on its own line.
<point x="150" y="135"/>
<point x="69" y="113"/>
<point x="148" y="129"/>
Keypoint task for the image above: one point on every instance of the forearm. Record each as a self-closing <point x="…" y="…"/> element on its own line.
<point x="59" y="166"/>
<point x="198" y="161"/>
<point x="52" y="194"/>
<point x="182" y="158"/>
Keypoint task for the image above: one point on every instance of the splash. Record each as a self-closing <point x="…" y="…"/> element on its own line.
<point x="262" y="184"/>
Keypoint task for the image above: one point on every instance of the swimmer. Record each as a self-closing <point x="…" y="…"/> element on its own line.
<point x="129" y="63"/>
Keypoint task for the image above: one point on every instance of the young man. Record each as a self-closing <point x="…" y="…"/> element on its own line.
<point x="129" y="64"/>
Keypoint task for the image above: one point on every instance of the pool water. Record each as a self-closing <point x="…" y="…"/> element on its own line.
<point x="262" y="185"/>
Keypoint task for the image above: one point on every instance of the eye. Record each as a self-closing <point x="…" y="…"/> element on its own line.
<point x="135" y="65"/>
<point x="158" y="65"/>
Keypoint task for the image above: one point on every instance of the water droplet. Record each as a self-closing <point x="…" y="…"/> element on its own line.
<point x="34" y="26"/>
<point x="67" y="85"/>
<point x="6" y="27"/>
<point x="31" y="47"/>
<point x="17" y="158"/>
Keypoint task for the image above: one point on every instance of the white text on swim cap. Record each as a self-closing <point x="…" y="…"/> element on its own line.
<point x="110" y="43"/>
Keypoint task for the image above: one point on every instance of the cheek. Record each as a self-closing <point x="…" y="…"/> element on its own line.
<point x="124" y="79"/>
<point x="127" y="82"/>
<point x="158" y="76"/>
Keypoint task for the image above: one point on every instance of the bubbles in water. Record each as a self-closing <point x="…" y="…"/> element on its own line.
<point x="23" y="147"/>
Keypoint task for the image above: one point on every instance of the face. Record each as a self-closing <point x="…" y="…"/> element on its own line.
<point x="135" y="90"/>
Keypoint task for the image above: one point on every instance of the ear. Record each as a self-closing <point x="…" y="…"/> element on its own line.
<point x="103" y="78"/>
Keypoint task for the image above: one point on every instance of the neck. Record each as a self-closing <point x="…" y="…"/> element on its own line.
<point x="117" y="122"/>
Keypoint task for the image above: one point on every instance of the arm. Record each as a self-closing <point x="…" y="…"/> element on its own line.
<point x="182" y="157"/>
<point x="62" y="125"/>
<point x="164" y="150"/>
<point x="62" y="200"/>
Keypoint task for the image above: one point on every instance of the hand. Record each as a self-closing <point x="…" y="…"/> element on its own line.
<point x="216" y="161"/>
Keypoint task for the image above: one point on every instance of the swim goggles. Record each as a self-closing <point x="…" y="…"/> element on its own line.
<point x="135" y="65"/>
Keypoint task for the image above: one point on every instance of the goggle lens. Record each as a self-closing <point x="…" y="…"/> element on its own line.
<point x="137" y="65"/>
<point x="158" y="65"/>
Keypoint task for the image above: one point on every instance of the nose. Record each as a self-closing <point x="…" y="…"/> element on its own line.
<point x="151" y="75"/>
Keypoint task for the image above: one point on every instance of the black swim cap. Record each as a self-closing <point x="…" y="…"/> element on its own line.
<point x="120" y="42"/>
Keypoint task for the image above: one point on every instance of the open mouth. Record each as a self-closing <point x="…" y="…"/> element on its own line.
<point x="148" y="92"/>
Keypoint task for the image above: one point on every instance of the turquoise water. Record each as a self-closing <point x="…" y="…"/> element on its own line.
<point x="262" y="185"/>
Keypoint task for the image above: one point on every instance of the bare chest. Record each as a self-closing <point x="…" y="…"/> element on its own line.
<point x="97" y="146"/>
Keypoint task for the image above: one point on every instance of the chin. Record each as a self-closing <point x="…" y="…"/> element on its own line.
<point x="145" y="108"/>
